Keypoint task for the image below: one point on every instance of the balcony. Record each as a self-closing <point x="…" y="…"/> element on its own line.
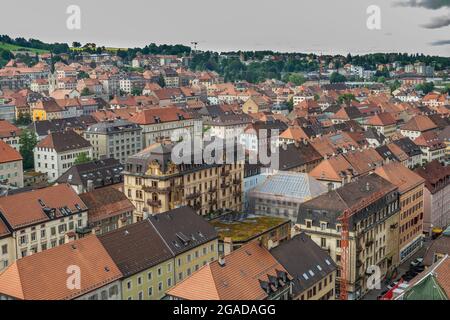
<point x="237" y="182"/>
<point x="83" y="231"/>
<point x="193" y="195"/>
<point x="225" y="185"/>
<point x="369" y="243"/>
<point x="237" y="193"/>
<point x="225" y="173"/>
<point x="152" y="189"/>
<point x="154" y="203"/>
<point x="212" y="190"/>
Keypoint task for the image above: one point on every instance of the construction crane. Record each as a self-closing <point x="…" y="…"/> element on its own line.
<point x="344" y="219"/>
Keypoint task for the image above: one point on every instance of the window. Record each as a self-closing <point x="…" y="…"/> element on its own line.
<point x="323" y="242"/>
<point x="150" y="291"/>
<point x="5" y="249"/>
<point x="139" y="281"/>
<point x="160" y="286"/>
<point x="149" y="276"/>
<point x="169" y="282"/>
<point x="129" y="285"/>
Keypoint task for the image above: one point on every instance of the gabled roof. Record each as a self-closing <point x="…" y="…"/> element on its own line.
<point x="64" y="141"/>
<point x="239" y="278"/>
<point x="305" y="261"/>
<point x="8" y="153"/>
<point x="44" y="275"/>
<point x="100" y="172"/>
<point x="381" y="119"/>
<point x="404" y="178"/>
<point x="159" y="115"/>
<point x="7" y="129"/>
<point x="419" y="123"/>
<point x="27" y="208"/>
<point x="136" y="247"/>
<point x="106" y="202"/>
<point x="182" y="229"/>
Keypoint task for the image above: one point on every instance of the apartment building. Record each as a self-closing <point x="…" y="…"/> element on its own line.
<point x="157" y="253"/>
<point x="42" y="219"/>
<point x="155" y="184"/>
<point x="116" y="139"/>
<point x="92" y="175"/>
<point x="10" y="134"/>
<point x="436" y="196"/>
<point x="371" y="228"/>
<point x="11" y="166"/>
<point x="109" y="209"/>
<point x="56" y="153"/>
<point x="160" y="123"/>
<point x="411" y="218"/>
<point x="46" y="275"/>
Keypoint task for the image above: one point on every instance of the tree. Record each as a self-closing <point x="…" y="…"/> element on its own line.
<point x="337" y="78"/>
<point x="290" y="104"/>
<point x="82" y="158"/>
<point x="85" y="92"/>
<point x="76" y="44"/>
<point x="395" y="85"/>
<point x="346" y="98"/>
<point x="426" y="87"/>
<point x="28" y="142"/>
<point x="82" y="75"/>
<point x="297" y="79"/>
<point x="161" y="81"/>
<point x="136" y="92"/>
<point x="23" y="119"/>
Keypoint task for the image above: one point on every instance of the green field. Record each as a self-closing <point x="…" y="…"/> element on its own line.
<point x="12" y="47"/>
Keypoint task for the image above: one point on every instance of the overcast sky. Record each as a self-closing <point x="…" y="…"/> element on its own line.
<point x="328" y="26"/>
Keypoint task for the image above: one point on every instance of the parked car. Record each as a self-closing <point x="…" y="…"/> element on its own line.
<point x="417" y="262"/>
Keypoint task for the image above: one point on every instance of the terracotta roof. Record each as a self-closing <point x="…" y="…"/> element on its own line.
<point x="160" y="115"/>
<point x="332" y="169"/>
<point x="294" y="133"/>
<point x="397" y="174"/>
<point x="238" y="279"/>
<point x="419" y="123"/>
<point x="7" y="129"/>
<point x="43" y="276"/>
<point x="431" y="140"/>
<point x="64" y="141"/>
<point x="8" y="153"/>
<point x="24" y="209"/>
<point x="106" y="202"/>
<point x="381" y="119"/>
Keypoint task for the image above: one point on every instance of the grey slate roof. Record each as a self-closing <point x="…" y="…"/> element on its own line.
<point x="304" y="260"/>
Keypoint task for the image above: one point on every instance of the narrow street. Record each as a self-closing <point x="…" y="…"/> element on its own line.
<point x="373" y="295"/>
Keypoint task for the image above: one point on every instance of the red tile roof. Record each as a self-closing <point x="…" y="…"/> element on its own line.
<point x="8" y="153"/>
<point x="44" y="275"/>
<point x="24" y="209"/>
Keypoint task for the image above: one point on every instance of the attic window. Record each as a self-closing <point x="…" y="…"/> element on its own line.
<point x="305" y="276"/>
<point x="328" y="262"/>
<point x="319" y="268"/>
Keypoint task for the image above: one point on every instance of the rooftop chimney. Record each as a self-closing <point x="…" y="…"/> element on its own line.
<point x="222" y="261"/>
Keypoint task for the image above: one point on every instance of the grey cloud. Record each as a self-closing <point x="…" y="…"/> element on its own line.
<point x="440" y="43"/>
<point x="439" y="22"/>
<point x="428" y="4"/>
